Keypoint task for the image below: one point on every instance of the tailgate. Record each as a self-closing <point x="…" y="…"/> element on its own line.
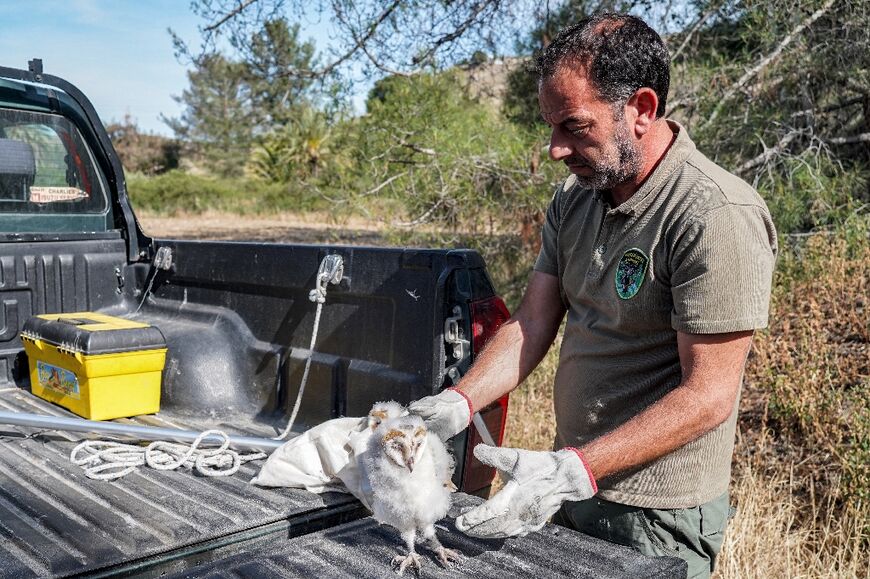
<point x="362" y="548"/>
<point x="54" y="521"/>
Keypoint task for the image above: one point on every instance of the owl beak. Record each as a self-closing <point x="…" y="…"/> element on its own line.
<point x="409" y="462"/>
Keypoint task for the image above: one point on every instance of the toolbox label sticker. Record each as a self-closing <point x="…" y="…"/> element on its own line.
<point x="58" y="379"/>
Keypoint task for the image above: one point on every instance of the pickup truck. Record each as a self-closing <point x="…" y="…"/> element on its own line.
<point x="401" y="324"/>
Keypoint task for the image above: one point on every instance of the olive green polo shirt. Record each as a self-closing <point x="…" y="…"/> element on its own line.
<point x="692" y="250"/>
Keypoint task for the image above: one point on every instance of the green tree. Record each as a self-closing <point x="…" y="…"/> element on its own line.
<point x="276" y="93"/>
<point x="445" y="157"/>
<point x="217" y="114"/>
<point x="231" y="106"/>
<point x="298" y="150"/>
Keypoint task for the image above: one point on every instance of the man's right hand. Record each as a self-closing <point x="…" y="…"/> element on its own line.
<point x="446" y="414"/>
<point x="537" y="483"/>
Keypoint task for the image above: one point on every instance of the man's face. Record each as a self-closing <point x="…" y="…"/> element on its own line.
<point x="588" y="135"/>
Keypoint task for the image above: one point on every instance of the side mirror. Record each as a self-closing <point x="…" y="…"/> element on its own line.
<point x="17" y="169"/>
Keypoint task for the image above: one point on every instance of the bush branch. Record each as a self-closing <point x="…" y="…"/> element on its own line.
<point x="768" y="153"/>
<point x="764" y="62"/>
<point x="862" y="138"/>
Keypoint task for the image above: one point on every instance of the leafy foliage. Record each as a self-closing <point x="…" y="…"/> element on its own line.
<point x="297" y="150"/>
<point x="142" y="152"/>
<point x="449" y="159"/>
<point x="276" y="94"/>
<point x="180" y="193"/>
<point x="231" y="105"/>
<point x="218" y="114"/>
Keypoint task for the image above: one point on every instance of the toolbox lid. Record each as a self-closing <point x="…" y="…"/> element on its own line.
<point x="93" y="333"/>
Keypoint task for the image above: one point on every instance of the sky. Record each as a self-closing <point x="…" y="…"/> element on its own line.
<point x="118" y="52"/>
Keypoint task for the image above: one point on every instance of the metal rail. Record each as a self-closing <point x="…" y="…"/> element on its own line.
<point x="129" y="430"/>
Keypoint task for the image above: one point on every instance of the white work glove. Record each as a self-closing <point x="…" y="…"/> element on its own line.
<point x="537" y="485"/>
<point x="446" y="414"/>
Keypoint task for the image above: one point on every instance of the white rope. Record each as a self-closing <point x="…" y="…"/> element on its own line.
<point x="107" y="460"/>
<point x="298" y="403"/>
<point x="331" y="271"/>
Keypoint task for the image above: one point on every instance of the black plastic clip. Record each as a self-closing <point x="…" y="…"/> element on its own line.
<point x="35" y="66"/>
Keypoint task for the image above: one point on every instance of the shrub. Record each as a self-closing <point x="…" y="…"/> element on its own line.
<point x="177" y="192"/>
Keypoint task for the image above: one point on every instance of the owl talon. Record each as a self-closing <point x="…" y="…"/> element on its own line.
<point x="410" y="560"/>
<point x="447" y="556"/>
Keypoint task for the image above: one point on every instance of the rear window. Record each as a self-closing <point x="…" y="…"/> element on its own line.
<point x="46" y="168"/>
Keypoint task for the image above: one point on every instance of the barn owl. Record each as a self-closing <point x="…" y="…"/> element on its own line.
<point x="384" y="411"/>
<point x="405" y="468"/>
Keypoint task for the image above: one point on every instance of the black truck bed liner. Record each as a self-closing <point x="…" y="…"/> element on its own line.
<point x="363" y="549"/>
<point x="54" y="521"/>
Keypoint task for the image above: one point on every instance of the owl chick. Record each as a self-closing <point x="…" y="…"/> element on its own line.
<point x="384" y="411"/>
<point x="405" y="467"/>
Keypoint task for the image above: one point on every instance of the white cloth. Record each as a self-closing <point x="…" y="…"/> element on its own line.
<point x="321" y="459"/>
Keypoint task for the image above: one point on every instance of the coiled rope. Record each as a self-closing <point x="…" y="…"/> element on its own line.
<point x="108" y="460"/>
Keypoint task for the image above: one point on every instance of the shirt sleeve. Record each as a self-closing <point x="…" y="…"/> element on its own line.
<point x="547" y="261"/>
<point x="722" y="270"/>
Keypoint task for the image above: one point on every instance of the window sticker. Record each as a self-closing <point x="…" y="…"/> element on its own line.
<point x="53" y="194"/>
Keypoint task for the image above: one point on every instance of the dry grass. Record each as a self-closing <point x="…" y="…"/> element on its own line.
<point x="530" y="422"/>
<point x="800" y="479"/>
<point x="779" y="532"/>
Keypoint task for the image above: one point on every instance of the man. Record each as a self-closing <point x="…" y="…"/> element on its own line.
<point x="663" y="262"/>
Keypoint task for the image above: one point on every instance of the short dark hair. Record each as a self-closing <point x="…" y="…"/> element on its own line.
<point x="621" y="54"/>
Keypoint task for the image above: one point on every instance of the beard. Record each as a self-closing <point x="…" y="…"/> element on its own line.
<point x="620" y="164"/>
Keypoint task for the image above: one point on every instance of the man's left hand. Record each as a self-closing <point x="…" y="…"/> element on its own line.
<point x="537" y="485"/>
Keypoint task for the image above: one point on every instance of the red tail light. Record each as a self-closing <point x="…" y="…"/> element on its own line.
<point x="487" y="316"/>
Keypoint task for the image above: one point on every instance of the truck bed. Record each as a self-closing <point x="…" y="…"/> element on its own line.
<point x="54" y="521"/>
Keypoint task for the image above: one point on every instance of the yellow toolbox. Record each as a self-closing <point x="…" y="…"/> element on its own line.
<point x="98" y="366"/>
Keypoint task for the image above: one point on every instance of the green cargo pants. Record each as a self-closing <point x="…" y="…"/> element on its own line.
<point x="694" y="534"/>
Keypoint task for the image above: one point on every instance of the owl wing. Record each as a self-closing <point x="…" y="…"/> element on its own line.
<point x="443" y="460"/>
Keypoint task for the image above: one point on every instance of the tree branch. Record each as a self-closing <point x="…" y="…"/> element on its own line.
<point x="380" y="66"/>
<point x="422" y="218"/>
<point x="828" y="109"/>
<point x="418" y="149"/>
<point x="359" y="42"/>
<point x="384" y="184"/>
<point x="456" y="33"/>
<point x="229" y="15"/>
<point x="695" y="27"/>
<point x="769" y="153"/>
<point x="862" y="138"/>
<point x="752" y="72"/>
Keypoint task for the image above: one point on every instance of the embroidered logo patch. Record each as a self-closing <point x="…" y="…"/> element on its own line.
<point x="630" y="273"/>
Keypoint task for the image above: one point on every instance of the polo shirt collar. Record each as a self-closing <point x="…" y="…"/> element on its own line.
<point x="674" y="158"/>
